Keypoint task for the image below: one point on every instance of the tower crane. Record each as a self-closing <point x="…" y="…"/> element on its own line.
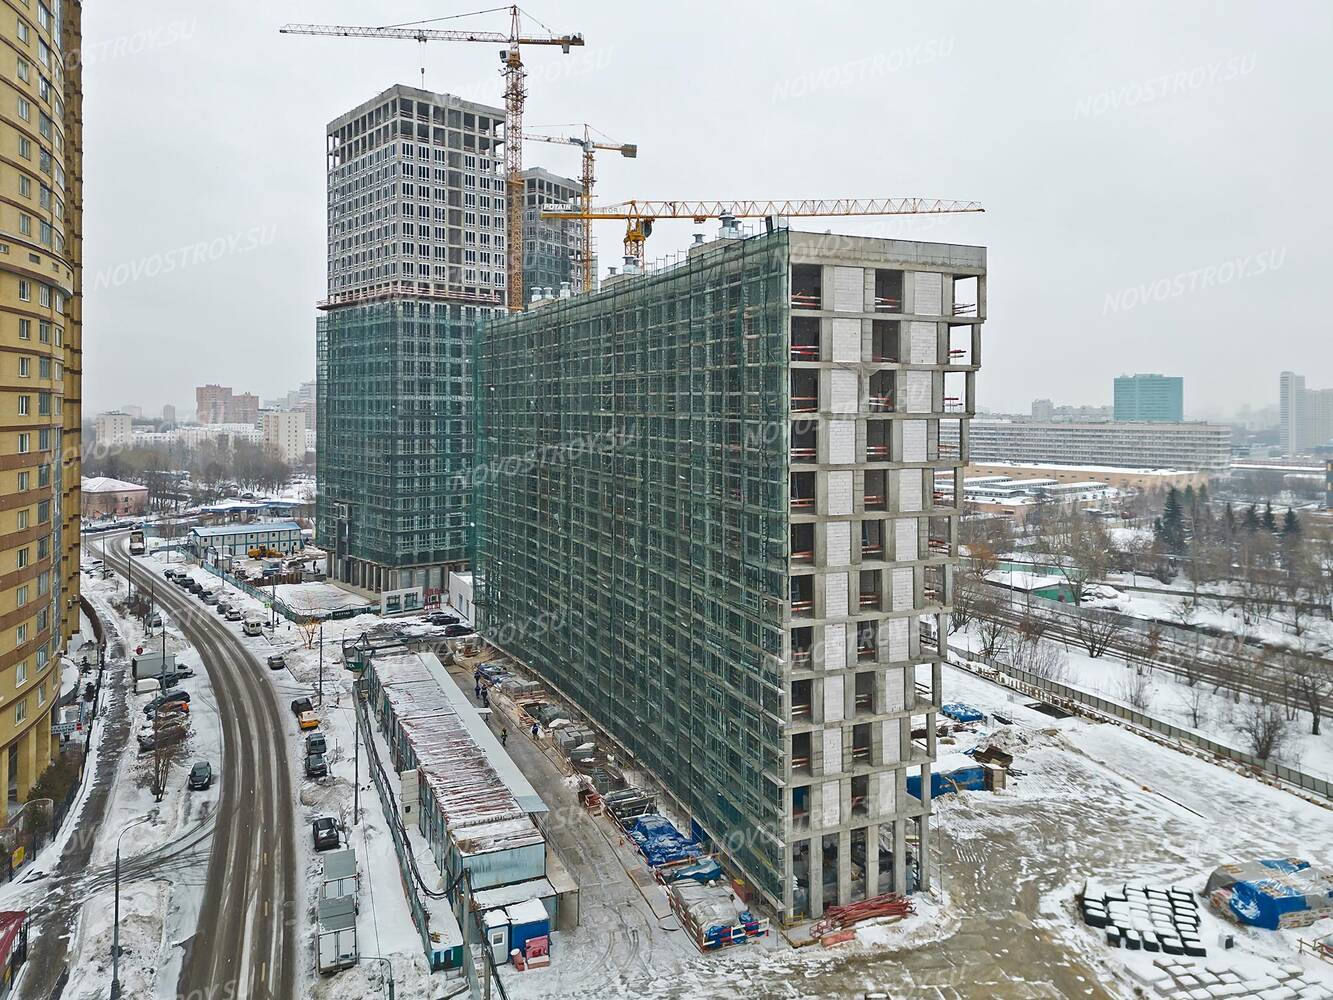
<point x="627" y="150"/>
<point x="639" y="216"/>
<point x="515" y="93"/>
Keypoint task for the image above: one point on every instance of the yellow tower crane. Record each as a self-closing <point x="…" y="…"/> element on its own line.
<point x="628" y="150"/>
<point x="515" y="93"/>
<point x="639" y="216"/>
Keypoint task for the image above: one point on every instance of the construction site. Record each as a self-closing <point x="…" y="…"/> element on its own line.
<point x="708" y="512"/>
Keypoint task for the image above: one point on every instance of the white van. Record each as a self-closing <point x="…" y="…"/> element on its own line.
<point x="253" y="626"/>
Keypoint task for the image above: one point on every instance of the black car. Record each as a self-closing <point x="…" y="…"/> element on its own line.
<point x="316" y="743"/>
<point x="316" y="766"/>
<point x="223" y="607"/>
<point x="170" y="574"/>
<point x="302" y="705"/>
<point x="439" y="618"/>
<point x="171" y="697"/>
<point x="201" y="776"/>
<point x="456" y="630"/>
<point x="325" y="832"/>
<point x="277" y="661"/>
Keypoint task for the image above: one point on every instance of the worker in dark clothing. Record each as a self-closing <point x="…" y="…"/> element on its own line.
<point x="476" y="688"/>
<point x="504" y="736"/>
<point x="535" y="730"/>
<point x="485" y="698"/>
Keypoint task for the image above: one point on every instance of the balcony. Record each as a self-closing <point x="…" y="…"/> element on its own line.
<point x="804" y="392"/>
<point x="803" y="444"/>
<point x="888" y="290"/>
<point x="804" y="339"/>
<point x="802" y="492"/>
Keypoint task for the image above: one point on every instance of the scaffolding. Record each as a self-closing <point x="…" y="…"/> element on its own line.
<point x="631" y="505"/>
<point x="394" y="441"/>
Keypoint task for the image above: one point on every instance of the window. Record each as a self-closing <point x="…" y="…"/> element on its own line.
<point x="44" y="124"/>
<point x="45" y="235"/>
<point x="43" y="511"/>
<point x="23" y="518"/>
<point x="23" y="31"/>
<point x="44" y="331"/>
<point x="24" y="66"/>
<point x="24" y="367"/>
<point x="21" y="636"/>
<point x="25" y="443"/>
<point x="44" y="295"/>
<point x="25" y="224"/>
<point x="21" y="711"/>
<point x="43" y="367"/>
<point x="23" y="478"/>
<point x="25" y="329"/>
<point x="43" y="404"/>
<point x="23" y="405"/>
<point x="25" y="290"/>
<point x="23" y="555"/>
<point x="21" y="596"/>
<point x="25" y="186"/>
<point x="25" y="148"/>
<point x="41" y="695"/>
<point x="44" y="439"/>
<point x="25" y="109"/>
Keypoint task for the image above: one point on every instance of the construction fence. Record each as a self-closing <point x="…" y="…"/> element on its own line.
<point x="1090" y="704"/>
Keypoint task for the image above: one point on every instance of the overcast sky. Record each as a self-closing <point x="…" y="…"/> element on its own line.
<point x="1155" y="175"/>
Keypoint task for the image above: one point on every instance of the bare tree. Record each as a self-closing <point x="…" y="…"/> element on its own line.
<point x="1041" y="657"/>
<point x="1311" y="684"/>
<point x="1195" y="702"/>
<point x="1264" y="728"/>
<point x="967" y="601"/>
<point x="1183" y="612"/>
<point x="1096" y="631"/>
<point x="309" y="628"/>
<point x="1076" y="545"/>
<point x="1137" y="689"/>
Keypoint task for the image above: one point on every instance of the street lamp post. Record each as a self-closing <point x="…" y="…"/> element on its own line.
<point x="388" y="965"/>
<point x="115" y="925"/>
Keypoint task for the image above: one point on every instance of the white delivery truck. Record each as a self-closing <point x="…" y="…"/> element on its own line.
<point x="152" y="665"/>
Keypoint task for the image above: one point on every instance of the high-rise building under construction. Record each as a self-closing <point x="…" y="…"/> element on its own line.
<point x="718" y="514"/>
<point x="416" y="255"/>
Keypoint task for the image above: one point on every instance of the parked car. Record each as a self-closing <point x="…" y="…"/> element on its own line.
<point x="277" y="661"/>
<point x="169" y="733"/>
<point x="181" y="673"/>
<point x="154" y="620"/>
<point x="302" y="705"/>
<point x="456" y="630"/>
<point x="170" y="574"/>
<point x="223" y="606"/>
<point x="316" y="743"/>
<point x="234" y="614"/>
<point x="316" y="766"/>
<point x="325" y="833"/>
<point x="201" y="776"/>
<point x="208" y="597"/>
<point x="171" y="697"/>
<point x="307" y="720"/>
<point x="440" y="618"/>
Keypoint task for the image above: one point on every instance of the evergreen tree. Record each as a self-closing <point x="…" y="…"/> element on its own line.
<point x="1229" y="518"/>
<point x="1172" y="534"/>
<point x="1291" y="526"/>
<point x="1251" y="520"/>
<point x="1270" y="519"/>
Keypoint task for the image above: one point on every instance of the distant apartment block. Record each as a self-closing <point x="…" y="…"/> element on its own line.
<point x="114" y="430"/>
<point x="1305" y="415"/>
<point x="169" y="415"/>
<point x="1124" y="444"/>
<point x="1155" y="398"/>
<point x="723" y="474"/>
<point x="284" y="434"/>
<point x="218" y="404"/>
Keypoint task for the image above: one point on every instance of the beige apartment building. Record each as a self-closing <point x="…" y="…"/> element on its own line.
<point x="41" y="236"/>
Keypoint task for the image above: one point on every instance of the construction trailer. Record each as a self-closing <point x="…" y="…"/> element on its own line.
<point x="335" y="933"/>
<point x="723" y="472"/>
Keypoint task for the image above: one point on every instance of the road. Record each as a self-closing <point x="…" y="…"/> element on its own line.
<point x="245" y="943"/>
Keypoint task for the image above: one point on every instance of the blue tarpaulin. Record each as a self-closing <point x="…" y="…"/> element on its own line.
<point x="1272" y="893"/>
<point x="960" y="712"/>
<point x="702" y="872"/>
<point x="660" y="842"/>
<point x="958" y="779"/>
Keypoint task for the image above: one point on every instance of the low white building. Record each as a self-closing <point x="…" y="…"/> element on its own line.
<point x="239" y="539"/>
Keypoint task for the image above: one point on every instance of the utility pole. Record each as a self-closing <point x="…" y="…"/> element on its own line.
<point x="356" y="754"/>
<point x="321" y="665"/>
<point x="115" y="926"/>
